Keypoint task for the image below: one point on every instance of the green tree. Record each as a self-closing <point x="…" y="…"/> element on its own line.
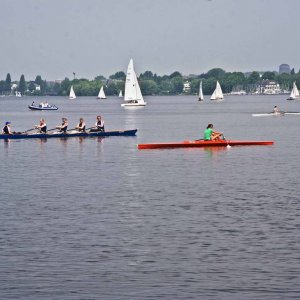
<point x="31" y="87"/>
<point x="149" y="87"/>
<point x="118" y="76"/>
<point x="269" y="75"/>
<point x="216" y="73"/>
<point x="8" y="84"/>
<point x="253" y="78"/>
<point x="2" y="87"/>
<point x="176" y="85"/>
<point x="41" y="83"/>
<point x="22" y="84"/>
<point x="147" y="75"/>
<point x="175" y="74"/>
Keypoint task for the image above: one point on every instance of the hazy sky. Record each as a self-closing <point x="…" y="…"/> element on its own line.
<point x="53" y="38"/>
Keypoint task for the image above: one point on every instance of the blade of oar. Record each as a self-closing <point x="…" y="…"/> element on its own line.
<point x="228" y="146"/>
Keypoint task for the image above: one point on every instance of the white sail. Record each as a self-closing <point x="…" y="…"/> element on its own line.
<point x="200" y="98"/>
<point x="72" y="93"/>
<point x="101" y="94"/>
<point x="294" y="93"/>
<point x="217" y="94"/>
<point x="133" y="95"/>
<point x="120" y="94"/>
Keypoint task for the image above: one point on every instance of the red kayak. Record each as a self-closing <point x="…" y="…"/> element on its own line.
<point x="202" y="143"/>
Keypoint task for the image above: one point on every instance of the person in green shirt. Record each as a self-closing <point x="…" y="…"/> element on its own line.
<point x="210" y="134"/>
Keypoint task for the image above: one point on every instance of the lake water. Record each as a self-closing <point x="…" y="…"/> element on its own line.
<point x="99" y="219"/>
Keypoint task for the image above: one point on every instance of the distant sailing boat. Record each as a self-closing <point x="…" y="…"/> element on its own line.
<point x="200" y="97"/>
<point x="72" y="93"/>
<point x="18" y="94"/>
<point x="217" y="94"/>
<point x="133" y="95"/>
<point x="101" y="94"/>
<point x="294" y="93"/>
<point x="120" y="94"/>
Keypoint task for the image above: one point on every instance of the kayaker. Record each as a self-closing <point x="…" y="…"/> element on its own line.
<point x="6" y="129"/>
<point x="64" y="125"/>
<point x="81" y="125"/>
<point x="42" y="126"/>
<point x="99" y="125"/>
<point x="210" y="134"/>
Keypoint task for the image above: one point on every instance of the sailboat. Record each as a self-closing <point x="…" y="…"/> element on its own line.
<point x="217" y="94"/>
<point x="18" y="94"/>
<point x="101" y="94"/>
<point x="133" y="95"/>
<point x="200" y="97"/>
<point x="72" y="93"/>
<point x="294" y="93"/>
<point x="120" y="94"/>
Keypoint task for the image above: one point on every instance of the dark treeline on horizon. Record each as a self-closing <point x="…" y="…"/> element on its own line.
<point x="151" y="84"/>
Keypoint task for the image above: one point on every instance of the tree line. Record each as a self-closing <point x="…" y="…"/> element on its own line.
<point x="150" y="83"/>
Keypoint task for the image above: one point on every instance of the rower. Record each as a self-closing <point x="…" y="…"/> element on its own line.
<point x="276" y="110"/>
<point x="64" y="126"/>
<point x="99" y="125"/>
<point x="6" y="129"/>
<point x="210" y="134"/>
<point x="81" y="125"/>
<point x="42" y="126"/>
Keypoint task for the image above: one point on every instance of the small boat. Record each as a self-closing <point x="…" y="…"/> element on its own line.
<point x="18" y="94"/>
<point x="42" y="106"/>
<point x="101" y="94"/>
<point x="278" y="114"/>
<point x="74" y="133"/>
<point x="202" y="144"/>
<point x="200" y="96"/>
<point x="133" y="96"/>
<point x="72" y="94"/>
<point x="120" y="94"/>
<point x="294" y="93"/>
<point x="217" y="94"/>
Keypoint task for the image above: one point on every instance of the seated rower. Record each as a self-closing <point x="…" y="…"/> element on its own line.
<point x="6" y="129"/>
<point x="210" y="134"/>
<point x="99" y="125"/>
<point x="42" y="126"/>
<point x="81" y="125"/>
<point x="64" y="126"/>
<point x="276" y="110"/>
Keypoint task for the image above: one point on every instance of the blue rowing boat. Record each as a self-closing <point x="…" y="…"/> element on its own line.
<point x="131" y="132"/>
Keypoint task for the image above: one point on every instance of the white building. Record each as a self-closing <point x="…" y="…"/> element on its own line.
<point x="269" y="87"/>
<point x="186" y="86"/>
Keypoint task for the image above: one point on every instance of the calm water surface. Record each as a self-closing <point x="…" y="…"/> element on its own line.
<point x="98" y="219"/>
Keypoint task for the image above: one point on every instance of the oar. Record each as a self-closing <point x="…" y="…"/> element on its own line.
<point x="71" y="129"/>
<point x="28" y="130"/>
<point x="52" y="129"/>
<point x="228" y="146"/>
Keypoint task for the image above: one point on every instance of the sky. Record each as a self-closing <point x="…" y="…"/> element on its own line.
<point x="54" y="38"/>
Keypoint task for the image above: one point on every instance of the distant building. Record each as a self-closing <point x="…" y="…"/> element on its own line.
<point x="284" y="68"/>
<point x="269" y="87"/>
<point x="186" y="87"/>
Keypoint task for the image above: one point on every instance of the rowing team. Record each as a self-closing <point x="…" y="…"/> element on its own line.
<point x="42" y="126"/>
